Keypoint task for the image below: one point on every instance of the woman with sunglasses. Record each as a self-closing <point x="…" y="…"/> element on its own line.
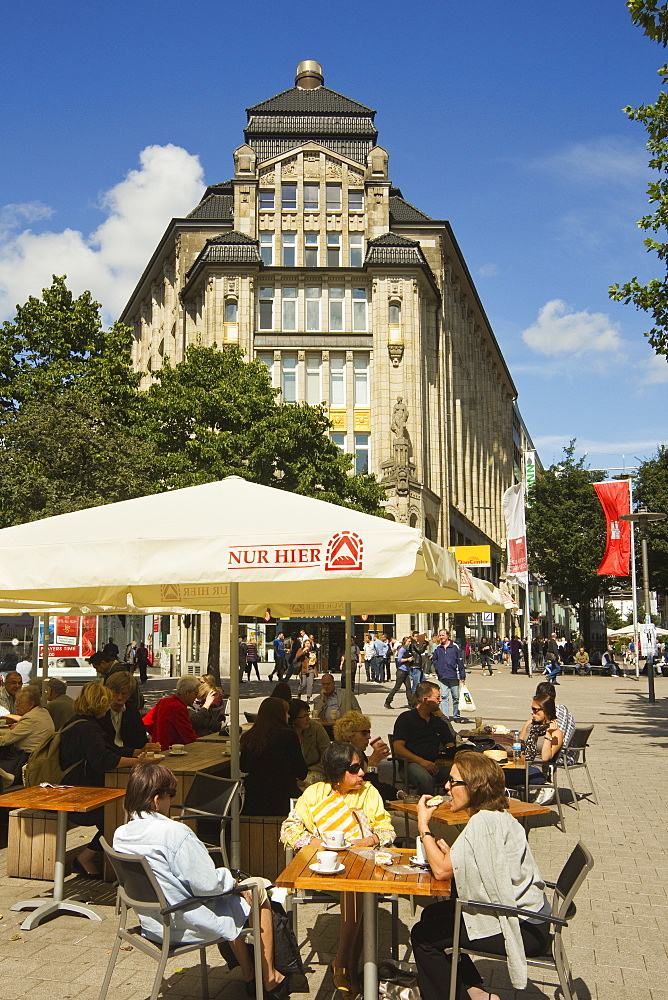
<point x="543" y="740"/>
<point x="489" y="862"/>
<point x="355" y="728"/>
<point x="184" y="870"/>
<point x="346" y="804"/>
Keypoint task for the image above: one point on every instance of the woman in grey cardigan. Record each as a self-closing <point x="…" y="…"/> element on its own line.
<point x="490" y="862"/>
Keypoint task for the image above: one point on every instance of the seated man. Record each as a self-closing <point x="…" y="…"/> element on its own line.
<point x="582" y="662"/>
<point x="184" y="869"/>
<point x="419" y="735"/>
<point x="32" y="725"/>
<point x="169" y="718"/>
<point x="59" y="705"/>
<point x="8" y="692"/>
<point x="329" y="700"/>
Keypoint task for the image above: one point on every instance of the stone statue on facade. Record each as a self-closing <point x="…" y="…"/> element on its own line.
<point x="399" y="418"/>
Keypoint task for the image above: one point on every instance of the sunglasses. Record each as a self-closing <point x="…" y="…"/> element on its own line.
<point x="534" y="710"/>
<point x="354" y="768"/>
<point x="454" y="781"/>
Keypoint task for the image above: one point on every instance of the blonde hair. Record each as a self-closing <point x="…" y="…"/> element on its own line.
<point x="94" y="699"/>
<point x="122" y="680"/>
<point x="351" y="722"/>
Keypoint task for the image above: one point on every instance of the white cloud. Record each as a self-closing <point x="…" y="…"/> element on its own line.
<point x="108" y="261"/>
<point x="560" y="331"/>
<point x="608" y="158"/>
<point x="489" y="271"/>
<point x="656" y="372"/>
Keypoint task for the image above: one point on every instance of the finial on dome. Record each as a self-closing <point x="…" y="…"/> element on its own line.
<point x="309" y="75"/>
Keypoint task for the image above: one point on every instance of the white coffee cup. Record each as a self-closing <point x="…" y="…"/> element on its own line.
<point x="420" y="852"/>
<point x="177" y="748"/>
<point x="335" y="838"/>
<point x="327" y="860"/>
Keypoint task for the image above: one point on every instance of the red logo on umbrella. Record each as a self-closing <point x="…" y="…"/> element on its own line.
<point x="344" y="551"/>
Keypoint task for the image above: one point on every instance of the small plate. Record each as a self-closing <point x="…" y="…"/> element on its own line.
<point x="332" y="871"/>
<point x="157" y="756"/>
<point x="176" y="753"/>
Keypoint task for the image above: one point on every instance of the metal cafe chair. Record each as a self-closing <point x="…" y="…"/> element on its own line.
<point x="580" y="742"/>
<point x="138" y="889"/>
<point x="572" y="875"/>
<point x="210" y="796"/>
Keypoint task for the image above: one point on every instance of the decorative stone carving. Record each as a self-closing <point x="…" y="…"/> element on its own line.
<point x="355" y="177"/>
<point x="325" y="357"/>
<point x="268" y="176"/>
<point x="311" y="165"/>
<point x="333" y="170"/>
<point x="399" y="419"/>
<point x="245" y="195"/>
<point x="338" y="419"/>
<point x="396" y="352"/>
<point x="362" y="419"/>
<point x="232" y="286"/>
<point x="301" y="357"/>
<point x="289" y="167"/>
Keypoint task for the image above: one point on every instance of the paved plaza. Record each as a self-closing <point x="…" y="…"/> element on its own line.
<point x="616" y="945"/>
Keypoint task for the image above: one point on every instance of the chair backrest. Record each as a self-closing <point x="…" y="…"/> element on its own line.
<point x="580" y="737"/>
<point x="251" y="716"/>
<point x="211" y="794"/>
<point x="137" y="885"/>
<point x="571" y="877"/>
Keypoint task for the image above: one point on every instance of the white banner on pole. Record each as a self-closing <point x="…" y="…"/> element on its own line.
<point x="513" y="511"/>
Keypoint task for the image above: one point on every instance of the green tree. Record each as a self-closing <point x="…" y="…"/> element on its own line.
<point x="566" y="534"/>
<point x="613" y="619"/>
<point x="652" y="297"/>
<point x="651" y="491"/>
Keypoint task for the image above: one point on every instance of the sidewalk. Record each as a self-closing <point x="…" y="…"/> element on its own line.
<point x="616" y="944"/>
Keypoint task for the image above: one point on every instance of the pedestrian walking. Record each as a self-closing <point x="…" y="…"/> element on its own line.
<point x="404" y="661"/>
<point x="252" y="659"/>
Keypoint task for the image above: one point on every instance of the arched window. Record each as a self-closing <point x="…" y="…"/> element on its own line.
<point x="395" y="334"/>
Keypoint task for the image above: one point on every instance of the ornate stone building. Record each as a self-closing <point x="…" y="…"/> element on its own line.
<point x="312" y="261"/>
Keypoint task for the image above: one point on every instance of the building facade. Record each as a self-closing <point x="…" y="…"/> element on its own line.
<point x="312" y="261"/>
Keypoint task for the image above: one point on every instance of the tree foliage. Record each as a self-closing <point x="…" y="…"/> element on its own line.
<point x="566" y="533"/>
<point x="651" y="491"/>
<point x="652" y="297"/>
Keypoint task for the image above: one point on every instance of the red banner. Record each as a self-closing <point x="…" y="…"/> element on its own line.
<point x="615" y="501"/>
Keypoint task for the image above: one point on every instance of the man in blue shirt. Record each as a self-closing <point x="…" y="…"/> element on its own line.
<point x="279" y="657"/>
<point x="449" y="663"/>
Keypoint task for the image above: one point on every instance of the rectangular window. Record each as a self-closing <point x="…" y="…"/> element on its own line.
<point x="289" y="249"/>
<point x="395" y="313"/>
<point x="337" y="380"/>
<point x="356" y="249"/>
<point x="336" y="303"/>
<point x="361" y="366"/>
<point x="288" y="197"/>
<point x="313" y="381"/>
<point x="230" y="310"/>
<point x="267" y="358"/>
<point x="339" y="440"/>
<point x="333" y="197"/>
<point x="266" y="318"/>
<point x="289" y="307"/>
<point x="311" y="197"/>
<point x="310" y="250"/>
<point x="333" y="249"/>
<point x="359" y="310"/>
<point x="267" y="248"/>
<point x="313" y="309"/>
<point x="289" y="377"/>
<point x="361" y="453"/>
<point x="356" y="201"/>
<point x="266" y="201"/>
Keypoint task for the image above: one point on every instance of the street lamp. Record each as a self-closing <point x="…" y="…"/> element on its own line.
<point x="642" y="518"/>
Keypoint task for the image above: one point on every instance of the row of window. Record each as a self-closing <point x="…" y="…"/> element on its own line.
<point x="280" y="249"/>
<point x="311" y="198"/>
<point x="285" y="374"/>
<point x="313" y="309"/>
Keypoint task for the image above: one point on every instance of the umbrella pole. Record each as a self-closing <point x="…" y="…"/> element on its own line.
<point x="45" y="653"/>
<point x="235" y="835"/>
<point x="348" y="694"/>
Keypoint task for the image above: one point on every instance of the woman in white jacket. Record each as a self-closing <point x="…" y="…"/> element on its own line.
<point x="184" y="869"/>
<point x="489" y="862"/>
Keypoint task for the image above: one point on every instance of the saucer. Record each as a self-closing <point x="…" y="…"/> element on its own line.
<point x="176" y="753"/>
<point x="159" y="756"/>
<point x="330" y="871"/>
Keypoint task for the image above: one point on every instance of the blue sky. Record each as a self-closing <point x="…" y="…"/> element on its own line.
<point x="504" y="117"/>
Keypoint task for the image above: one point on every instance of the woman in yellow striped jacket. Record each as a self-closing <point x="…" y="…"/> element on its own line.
<point x="343" y="803"/>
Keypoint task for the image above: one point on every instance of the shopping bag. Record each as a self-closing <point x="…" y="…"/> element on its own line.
<point x="466" y="703"/>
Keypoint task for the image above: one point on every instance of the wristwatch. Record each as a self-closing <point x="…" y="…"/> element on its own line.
<point x="428" y="833"/>
<point x="372" y="770"/>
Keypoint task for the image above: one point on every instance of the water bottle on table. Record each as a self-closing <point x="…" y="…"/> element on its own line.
<point x="517" y="746"/>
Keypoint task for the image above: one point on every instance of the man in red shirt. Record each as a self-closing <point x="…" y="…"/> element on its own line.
<point x="169" y="717"/>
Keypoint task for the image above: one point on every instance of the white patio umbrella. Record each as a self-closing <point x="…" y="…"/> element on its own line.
<point x="229" y="546"/>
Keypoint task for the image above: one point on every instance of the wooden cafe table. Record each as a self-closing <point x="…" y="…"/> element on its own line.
<point x="361" y="874"/>
<point x="517" y="808"/>
<point x="62" y="801"/>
